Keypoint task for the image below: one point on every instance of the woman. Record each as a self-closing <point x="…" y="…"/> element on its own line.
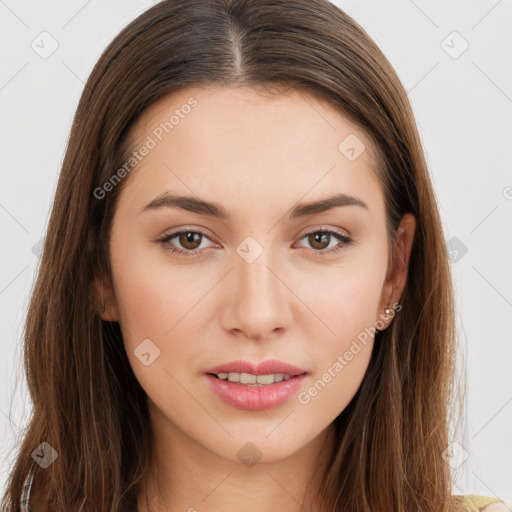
<point x="244" y="300"/>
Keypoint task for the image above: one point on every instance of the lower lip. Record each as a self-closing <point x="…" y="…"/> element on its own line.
<point x="253" y="397"/>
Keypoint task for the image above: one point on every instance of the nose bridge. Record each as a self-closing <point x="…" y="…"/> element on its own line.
<point x="259" y="301"/>
<point x="256" y="283"/>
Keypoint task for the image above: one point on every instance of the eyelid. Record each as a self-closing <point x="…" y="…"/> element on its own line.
<point x="301" y="234"/>
<point x="314" y="229"/>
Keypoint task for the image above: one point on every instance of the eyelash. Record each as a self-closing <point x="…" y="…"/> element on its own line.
<point x="187" y="254"/>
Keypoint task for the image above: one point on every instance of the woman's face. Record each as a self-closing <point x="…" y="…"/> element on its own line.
<point x="264" y="281"/>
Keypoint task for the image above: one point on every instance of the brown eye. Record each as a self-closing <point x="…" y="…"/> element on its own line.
<point x="190" y="239"/>
<point x="183" y="243"/>
<point x="319" y="240"/>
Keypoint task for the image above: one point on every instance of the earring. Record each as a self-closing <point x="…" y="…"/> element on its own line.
<point x="100" y="306"/>
<point x="390" y="311"/>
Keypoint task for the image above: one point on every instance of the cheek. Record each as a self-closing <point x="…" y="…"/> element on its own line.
<point x="163" y="308"/>
<point x="341" y="359"/>
<point x="153" y="303"/>
<point x="330" y="391"/>
<point x="347" y="307"/>
<point x="343" y="300"/>
<point x="153" y="296"/>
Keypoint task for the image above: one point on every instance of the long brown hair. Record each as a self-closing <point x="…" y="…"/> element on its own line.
<point x="88" y="405"/>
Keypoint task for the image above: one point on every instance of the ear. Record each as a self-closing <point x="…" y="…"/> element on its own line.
<point x="104" y="298"/>
<point x="397" y="275"/>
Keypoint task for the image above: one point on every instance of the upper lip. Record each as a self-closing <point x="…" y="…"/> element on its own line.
<point x="264" y="368"/>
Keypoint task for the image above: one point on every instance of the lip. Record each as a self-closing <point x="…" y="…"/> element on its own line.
<point x="255" y="397"/>
<point x="264" y="368"/>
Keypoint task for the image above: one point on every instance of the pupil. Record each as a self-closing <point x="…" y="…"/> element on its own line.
<point x="317" y="239"/>
<point x="191" y="238"/>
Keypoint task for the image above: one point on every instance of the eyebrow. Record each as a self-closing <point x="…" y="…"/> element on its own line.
<point x="212" y="209"/>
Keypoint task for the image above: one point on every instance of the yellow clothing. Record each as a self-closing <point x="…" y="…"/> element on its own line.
<point x="476" y="503"/>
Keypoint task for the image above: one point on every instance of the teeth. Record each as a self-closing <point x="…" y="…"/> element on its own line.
<point x="249" y="378"/>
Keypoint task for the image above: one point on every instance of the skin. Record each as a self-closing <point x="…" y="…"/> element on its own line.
<point x="291" y="303"/>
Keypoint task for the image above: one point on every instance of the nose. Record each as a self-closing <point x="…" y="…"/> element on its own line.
<point x="258" y="304"/>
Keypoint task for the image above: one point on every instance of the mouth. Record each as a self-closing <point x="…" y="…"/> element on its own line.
<point x="243" y="385"/>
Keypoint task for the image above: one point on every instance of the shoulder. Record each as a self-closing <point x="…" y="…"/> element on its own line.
<point x="478" y="503"/>
<point x="496" y="507"/>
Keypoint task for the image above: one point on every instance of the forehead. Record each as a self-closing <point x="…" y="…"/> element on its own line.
<point x="238" y="141"/>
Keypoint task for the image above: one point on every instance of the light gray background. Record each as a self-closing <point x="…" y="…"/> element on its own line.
<point x="463" y="107"/>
